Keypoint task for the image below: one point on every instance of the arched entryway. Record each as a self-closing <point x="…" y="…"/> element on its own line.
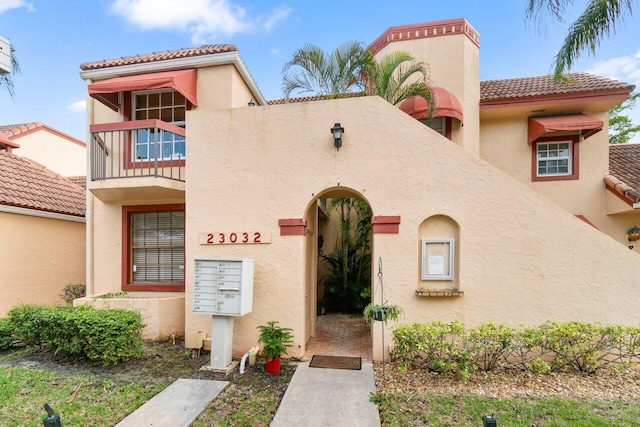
<point x="338" y="271"/>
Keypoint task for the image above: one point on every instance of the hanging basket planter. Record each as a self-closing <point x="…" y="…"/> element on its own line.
<point x="379" y="314"/>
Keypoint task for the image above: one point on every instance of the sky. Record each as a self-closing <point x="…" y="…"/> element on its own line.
<point x="53" y="37"/>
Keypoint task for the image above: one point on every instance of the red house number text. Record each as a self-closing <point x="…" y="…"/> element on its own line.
<point x="238" y="237"/>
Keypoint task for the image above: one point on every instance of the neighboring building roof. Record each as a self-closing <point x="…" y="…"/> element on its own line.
<point x="80" y="181"/>
<point x="14" y="131"/>
<point x="624" y="171"/>
<point x="26" y="184"/>
<point x="207" y="49"/>
<point x="544" y="86"/>
<point x="18" y="128"/>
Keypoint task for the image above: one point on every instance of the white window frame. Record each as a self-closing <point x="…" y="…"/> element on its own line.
<point x="437" y="259"/>
<point x="568" y="158"/>
<point x="163" y="137"/>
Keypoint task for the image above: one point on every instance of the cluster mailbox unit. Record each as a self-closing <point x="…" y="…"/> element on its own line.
<point x="223" y="288"/>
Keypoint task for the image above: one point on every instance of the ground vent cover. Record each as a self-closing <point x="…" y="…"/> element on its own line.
<point x="336" y="362"/>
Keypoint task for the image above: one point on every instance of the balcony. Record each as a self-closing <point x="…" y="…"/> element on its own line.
<point x="137" y="160"/>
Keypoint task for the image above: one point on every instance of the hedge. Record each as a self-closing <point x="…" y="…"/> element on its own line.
<point x="109" y="336"/>
<point x="551" y="347"/>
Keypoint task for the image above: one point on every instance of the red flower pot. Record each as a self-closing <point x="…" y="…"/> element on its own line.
<point x="273" y="366"/>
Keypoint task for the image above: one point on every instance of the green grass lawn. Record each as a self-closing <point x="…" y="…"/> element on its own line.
<point x="406" y="409"/>
<point x="79" y="400"/>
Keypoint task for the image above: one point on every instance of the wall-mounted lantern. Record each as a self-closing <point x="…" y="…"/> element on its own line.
<point x="251" y="103"/>
<point x="633" y="235"/>
<point x="337" y="130"/>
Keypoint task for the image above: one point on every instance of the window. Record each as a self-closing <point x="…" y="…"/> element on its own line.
<point x="168" y="106"/>
<point x="154" y="258"/>
<point x="442" y="125"/>
<point x="555" y="158"/>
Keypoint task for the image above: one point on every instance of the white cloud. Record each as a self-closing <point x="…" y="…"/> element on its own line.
<point x="78" y="107"/>
<point x="279" y="14"/>
<point x="623" y="68"/>
<point x="15" y="4"/>
<point x="204" y="19"/>
<point x="274" y="51"/>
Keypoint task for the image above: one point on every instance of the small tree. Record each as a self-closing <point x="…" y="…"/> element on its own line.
<point x="347" y="288"/>
<point x="621" y="128"/>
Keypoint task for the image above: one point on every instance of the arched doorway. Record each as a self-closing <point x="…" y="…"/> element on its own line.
<point x="338" y="271"/>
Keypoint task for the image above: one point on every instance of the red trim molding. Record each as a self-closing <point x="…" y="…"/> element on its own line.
<point x="386" y="224"/>
<point x="584" y="218"/>
<point x="293" y="226"/>
<point x="575" y="158"/>
<point x="126" y="251"/>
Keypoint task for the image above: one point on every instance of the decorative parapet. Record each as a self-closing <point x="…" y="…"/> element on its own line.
<point x="427" y="29"/>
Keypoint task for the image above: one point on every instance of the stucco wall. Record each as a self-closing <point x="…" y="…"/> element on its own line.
<point x="454" y="64"/>
<point x="504" y="145"/>
<point x="58" y="154"/>
<point x="40" y="257"/>
<point x="521" y="260"/>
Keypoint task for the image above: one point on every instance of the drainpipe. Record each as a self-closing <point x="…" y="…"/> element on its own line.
<point x="248" y="354"/>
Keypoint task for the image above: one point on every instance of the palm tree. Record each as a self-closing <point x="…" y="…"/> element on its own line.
<point x="596" y="22"/>
<point x="326" y="74"/>
<point x="352" y="68"/>
<point x="5" y="79"/>
<point x="389" y="79"/>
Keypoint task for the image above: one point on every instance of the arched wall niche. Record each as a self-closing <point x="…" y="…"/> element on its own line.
<point x="439" y="253"/>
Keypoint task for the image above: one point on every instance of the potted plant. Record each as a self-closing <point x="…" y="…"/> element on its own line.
<point x="275" y="340"/>
<point x="382" y="312"/>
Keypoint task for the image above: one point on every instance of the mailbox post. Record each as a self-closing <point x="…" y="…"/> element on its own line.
<point x="223" y="287"/>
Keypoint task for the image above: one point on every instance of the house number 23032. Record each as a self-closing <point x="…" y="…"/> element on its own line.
<point x="234" y="237"/>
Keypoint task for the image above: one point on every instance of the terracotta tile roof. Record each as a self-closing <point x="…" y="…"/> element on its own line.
<point x="525" y="87"/>
<point x="532" y="87"/>
<point x="26" y="184"/>
<point x="208" y="49"/>
<point x="309" y="98"/>
<point x="80" y="181"/>
<point x="624" y="171"/>
<point x="18" y="128"/>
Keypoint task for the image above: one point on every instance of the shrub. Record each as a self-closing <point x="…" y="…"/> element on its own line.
<point x="73" y="291"/>
<point x="489" y="344"/>
<point x="31" y="322"/>
<point x="6" y="333"/>
<point x="434" y="345"/>
<point x="109" y="336"/>
<point x="580" y="347"/>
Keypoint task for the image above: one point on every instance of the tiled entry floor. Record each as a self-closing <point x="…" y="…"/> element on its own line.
<point x="340" y="334"/>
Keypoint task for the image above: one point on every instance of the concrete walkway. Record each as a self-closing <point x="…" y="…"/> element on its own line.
<point x="328" y="397"/>
<point x="177" y="405"/>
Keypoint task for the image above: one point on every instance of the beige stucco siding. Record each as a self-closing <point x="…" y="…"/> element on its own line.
<point x="504" y="145"/>
<point x="520" y="261"/>
<point x="40" y="257"/>
<point x="58" y="154"/>
<point x="453" y="61"/>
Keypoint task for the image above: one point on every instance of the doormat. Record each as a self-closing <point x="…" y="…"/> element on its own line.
<point x="336" y="362"/>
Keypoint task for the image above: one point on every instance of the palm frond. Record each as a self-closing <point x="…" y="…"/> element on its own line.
<point x="587" y="32"/>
